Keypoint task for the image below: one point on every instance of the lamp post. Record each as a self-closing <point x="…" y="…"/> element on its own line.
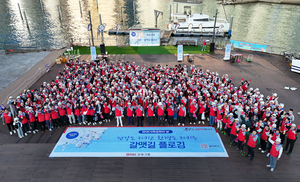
<point x="212" y="44"/>
<point x="91" y="27"/>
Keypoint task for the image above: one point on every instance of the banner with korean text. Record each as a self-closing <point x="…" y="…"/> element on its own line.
<point x="139" y="142"/>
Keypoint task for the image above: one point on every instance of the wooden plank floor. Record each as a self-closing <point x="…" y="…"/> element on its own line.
<point x="27" y="159"/>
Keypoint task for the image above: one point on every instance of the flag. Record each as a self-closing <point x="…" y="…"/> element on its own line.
<point x="89" y="27"/>
<point x="118" y="28"/>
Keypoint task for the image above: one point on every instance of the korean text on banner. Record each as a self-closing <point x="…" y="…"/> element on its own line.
<point x="227" y="52"/>
<point x="180" y="53"/>
<point x="145" y="37"/>
<point x="93" y="53"/>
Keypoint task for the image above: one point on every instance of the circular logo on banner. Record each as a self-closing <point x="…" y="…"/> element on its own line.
<point x="133" y="34"/>
<point x="72" y="135"/>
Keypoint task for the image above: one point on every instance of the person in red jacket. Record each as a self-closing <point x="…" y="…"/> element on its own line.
<point x="220" y="114"/>
<point x="212" y="114"/>
<point x="32" y="119"/>
<point x="253" y="140"/>
<point x="170" y="111"/>
<point x="107" y="110"/>
<point x="202" y="112"/>
<point x="70" y="113"/>
<point x="40" y="114"/>
<point x="77" y="113"/>
<point x="62" y="114"/>
<point x="233" y="132"/>
<point x="160" y="114"/>
<point x="129" y="113"/>
<point x="193" y="110"/>
<point x="24" y="121"/>
<point x="241" y="137"/>
<point x="264" y="138"/>
<point x="119" y="114"/>
<point x="275" y="153"/>
<point x="48" y="118"/>
<point x="8" y="118"/>
<point x="291" y="138"/>
<point x="139" y="114"/>
<point x="181" y="114"/>
<point x="55" y="116"/>
<point x="150" y="114"/>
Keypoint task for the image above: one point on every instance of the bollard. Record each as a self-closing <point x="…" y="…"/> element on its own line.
<point x="20" y="11"/>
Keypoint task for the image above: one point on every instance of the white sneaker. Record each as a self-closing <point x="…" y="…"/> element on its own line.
<point x="50" y="129"/>
<point x="25" y="134"/>
<point x="28" y="131"/>
<point x="14" y="131"/>
<point x="194" y="123"/>
<point x="33" y="132"/>
<point x="272" y="169"/>
<point x="203" y="122"/>
<point x="84" y="123"/>
<point x="89" y="123"/>
<point x="182" y="124"/>
<point x="263" y="151"/>
<point x="190" y="122"/>
<point x="199" y="122"/>
<point x="20" y="137"/>
<point x="117" y="125"/>
<point x="259" y="148"/>
<point x="268" y="154"/>
<point x="79" y="123"/>
<point x="109" y="120"/>
<point x="268" y="165"/>
<point x="10" y="133"/>
<point x="178" y="124"/>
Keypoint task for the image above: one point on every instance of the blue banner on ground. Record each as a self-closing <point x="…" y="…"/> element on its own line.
<point x="248" y="46"/>
<point x="139" y="142"/>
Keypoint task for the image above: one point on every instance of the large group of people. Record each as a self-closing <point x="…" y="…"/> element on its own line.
<point x="94" y="92"/>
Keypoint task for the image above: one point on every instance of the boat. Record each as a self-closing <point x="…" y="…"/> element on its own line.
<point x="198" y="23"/>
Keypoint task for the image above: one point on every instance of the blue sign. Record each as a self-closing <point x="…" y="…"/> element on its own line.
<point x="137" y="142"/>
<point x="248" y="46"/>
<point x="227" y="52"/>
<point x="72" y="135"/>
<point x="93" y="53"/>
<point x="179" y="52"/>
<point x="147" y="37"/>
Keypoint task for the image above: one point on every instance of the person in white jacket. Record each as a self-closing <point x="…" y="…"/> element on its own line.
<point x="18" y="126"/>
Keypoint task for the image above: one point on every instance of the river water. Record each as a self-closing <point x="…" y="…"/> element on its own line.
<point x="261" y="23"/>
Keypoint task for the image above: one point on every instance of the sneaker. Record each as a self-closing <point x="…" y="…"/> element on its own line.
<point x="194" y="123"/>
<point x="268" y="165"/>
<point x="33" y="132"/>
<point x="25" y="134"/>
<point x="259" y="148"/>
<point x="237" y="149"/>
<point x="14" y="131"/>
<point x="100" y="122"/>
<point x="28" y="131"/>
<point x="79" y="123"/>
<point x="178" y="124"/>
<point x="190" y="122"/>
<point x="182" y="124"/>
<point x="84" y="122"/>
<point x="109" y="120"/>
<point x="10" y="133"/>
<point x="50" y="129"/>
<point x="272" y="169"/>
<point x="199" y="122"/>
<point x="20" y="137"/>
<point x="268" y="154"/>
<point x="89" y="123"/>
<point x="263" y="151"/>
<point x="241" y="151"/>
<point x="203" y="122"/>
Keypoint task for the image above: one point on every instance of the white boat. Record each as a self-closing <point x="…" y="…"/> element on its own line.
<point x="196" y="23"/>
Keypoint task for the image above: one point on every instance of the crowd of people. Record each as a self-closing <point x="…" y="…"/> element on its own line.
<point x="94" y="92"/>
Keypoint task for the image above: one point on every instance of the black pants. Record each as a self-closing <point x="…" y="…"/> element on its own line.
<point x="269" y="146"/>
<point x="150" y="121"/>
<point x="63" y="120"/>
<point x="10" y="126"/>
<point x="228" y="130"/>
<point x="25" y="128"/>
<point x="55" y="122"/>
<point x="282" y="137"/>
<point x="106" y="116"/>
<point x="42" y="126"/>
<point x="240" y="144"/>
<point x="32" y="125"/>
<point x="171" y="120"/>
<point x="291" y="143"/>
<point x="263" y="145"/>
<point x="181" y="119"/>
<point x="161" y="120"/>
<point x="251" y="152"/>
<point x="140" y="120"/>
<point x="233" y="137"/>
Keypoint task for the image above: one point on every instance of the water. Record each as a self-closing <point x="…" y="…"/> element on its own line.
<point x="259" y="23"/>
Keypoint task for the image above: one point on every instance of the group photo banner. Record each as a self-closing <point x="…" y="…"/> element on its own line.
<point x="139" y="142"/>
<point x="248" y="46"/>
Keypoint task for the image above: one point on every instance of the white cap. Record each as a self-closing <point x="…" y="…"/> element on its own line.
<point x="159" y="103"/>
<point x="293" y="125"/>
<point x="274" y="125"/>
<point x="16" y="119"/>
<point x="243" y="125"/>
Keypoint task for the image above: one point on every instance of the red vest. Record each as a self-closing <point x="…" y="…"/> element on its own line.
<point x="274" y="151"/>
<point x="54" y="114"/>
<point x="242" y="135"/>
<point x="251" y="142"/>
<point x="170" y="112"/>
<point x="150" y="112"/>
<point x="129" y="112"/>
<point x="160" y="111"/>
<point x="106" y="109"/>
<point x="292" y="134"/>
<point x="31" y="117"/>
<point x="7" y="118"/>
<point x="233" y="129"/>
<point x="24" y="119"/>
<point x="69" y="111"/>
<point x="47" y="116"/>
<point x="41" y="117"/>
<point x="118" y="112"/>
<point x="77" y="112"/>
<point x="181" y="112"/>
<point x="139" y="112"/>
<point x="264" y="135"/>
<point x="61" y="111"/>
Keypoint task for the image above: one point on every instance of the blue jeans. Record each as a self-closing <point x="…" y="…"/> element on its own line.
<point x="49" y="124"/>
<point x="211" y="120"/>
<point x="273" y="161"/>
<point x="204" y="48"/>
<point x="130" y="121"/>
<point x="79" y="119"/>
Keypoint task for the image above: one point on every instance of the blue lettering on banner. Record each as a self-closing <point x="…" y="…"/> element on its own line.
<point x="155" y="131"/>
<point x="72" y="135"/>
